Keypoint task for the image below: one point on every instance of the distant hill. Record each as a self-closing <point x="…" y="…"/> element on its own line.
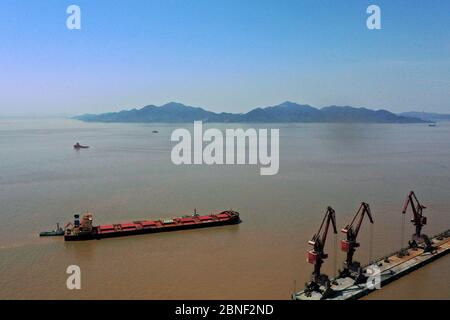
<point x="427" y="116"/>
<point x="285" y="112"/>
<point x="170" y="112"/>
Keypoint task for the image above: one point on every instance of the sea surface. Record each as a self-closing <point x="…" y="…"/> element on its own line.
<point x="127" y="174"/>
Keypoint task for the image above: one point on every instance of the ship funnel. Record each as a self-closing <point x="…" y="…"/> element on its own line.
<point x="76" y="222"/>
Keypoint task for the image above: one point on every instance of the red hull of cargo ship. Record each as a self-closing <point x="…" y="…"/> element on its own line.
<point x="146" y="226"/>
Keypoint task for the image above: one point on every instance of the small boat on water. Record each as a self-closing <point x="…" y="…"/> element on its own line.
<point x="53" y="233"/>
<point x="155" y="131"/>
<point x="432" y="125"/>
<point x="79" y="146"/>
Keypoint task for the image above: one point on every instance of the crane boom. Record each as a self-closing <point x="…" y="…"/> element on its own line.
<point x="363" y="209"/>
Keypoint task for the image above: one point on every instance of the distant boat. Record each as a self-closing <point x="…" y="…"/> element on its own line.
<point x="432" y="125"/>
<point x="79" y="146"/>
<point x="155" y="131"/>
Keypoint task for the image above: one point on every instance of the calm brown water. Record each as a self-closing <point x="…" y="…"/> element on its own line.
<point x="127" y="174"/>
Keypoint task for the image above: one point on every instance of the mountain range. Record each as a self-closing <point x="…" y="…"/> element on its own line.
<point x="285" y="112"/>
<point x="427" y="116"/>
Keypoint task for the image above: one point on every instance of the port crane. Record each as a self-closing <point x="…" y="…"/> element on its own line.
<point x="419" y="220"/>
<point x="316" y="256"/>
<point x="353" y="268"/>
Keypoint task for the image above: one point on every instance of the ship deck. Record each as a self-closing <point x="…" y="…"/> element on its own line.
<point x="164" y="223"/>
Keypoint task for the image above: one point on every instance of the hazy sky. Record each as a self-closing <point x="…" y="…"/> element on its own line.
<point x="223" y="55"/>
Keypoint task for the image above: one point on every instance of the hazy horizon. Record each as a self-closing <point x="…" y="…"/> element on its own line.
<point x="56" y="115"/>
<point x="228" y="56"/>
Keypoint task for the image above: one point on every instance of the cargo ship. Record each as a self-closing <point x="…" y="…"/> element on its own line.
<point x="83" y="229"/>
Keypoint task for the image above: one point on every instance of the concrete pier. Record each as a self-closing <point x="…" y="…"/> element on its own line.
<point x="390" y="267"/>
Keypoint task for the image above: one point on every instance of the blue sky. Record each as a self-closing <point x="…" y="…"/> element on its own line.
<point x="223" y="55"/>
